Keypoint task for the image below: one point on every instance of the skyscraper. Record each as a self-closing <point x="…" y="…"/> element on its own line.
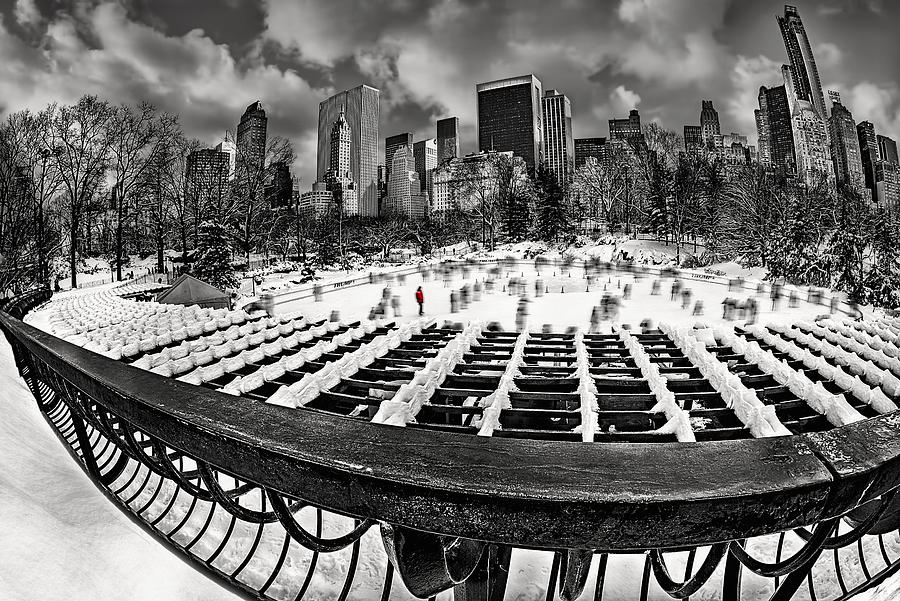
<point x="447" y="139"/>
<point x="510" y="118"/>
<point x="588" y="147"/>
<point x="802" y="63"/>
<point x="361" y="111"/>
<point x="339" y="178"/>
<point x="425" y="157"/>
<point x="887" y="149"/>
<point x="251" y="139"/>
<point x="391" y="145"/>
<point x="278" y="184"/>
<point x="559" y="144"/>
<point x="868" y="150"/>
<point x="845" y="154"/>
<point x="811" y="144"/>
<point x="709" y="123"/>
<point x="776" y="117"/>
<point x="404" y="188"/>
<point x="206" y="178"/>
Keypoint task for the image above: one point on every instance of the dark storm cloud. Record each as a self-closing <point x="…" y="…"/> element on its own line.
<point x="207" y="59"/>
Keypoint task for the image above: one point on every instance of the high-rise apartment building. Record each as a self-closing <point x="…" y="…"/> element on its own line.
<point x="361" y="111"/>
<point x="510" y="118"/>
<point x="709" y="123"/>
<point x="811" y="143"/>
<point x="887" y="185"/>
<point x="628" y="129"/>
<point x="868" y="151"/>
<point x="693" y="137"/>
<point x="807" y="85"/>
<point x="405" y="194"/>
<point x="775" y="130"/>
<point x="462" y="182"/>
<point x="559" y="143"/>
<point x="228" y="147"/>
<point x="251" y="140"/>
<point x="887" y="149"/>
<point x="425" y="157"/>
<point x="447" y="139"/>
<point x="316" y="202"/>
<point x="589" y="147"/>
<point x="845" y="153"/>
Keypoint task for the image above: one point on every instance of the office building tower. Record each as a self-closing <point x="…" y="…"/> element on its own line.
<point x="868" y="151"/>
<point x="811" y="144"/>
<point x="361" y="111"/>
<point x="391" y="145"/>
<point x="251" y="141"/>
<point x="339" y="178"/>
<point x="206" y="179"/>
<point x="425" y="157"/>
<point x="447" y="139"/>
<point x="807" y="85"/>
<point x="627" y="129"/>
<point x="510" y="118"/>
<point x="709" y="123"/>
<point x="559" y="144"/>
<point x="845" y="153"/>
<point x="228" y="147"/>
<point x="693" y="137"/>
<point x="887" y="149"/>
<point x="589" y="147"/>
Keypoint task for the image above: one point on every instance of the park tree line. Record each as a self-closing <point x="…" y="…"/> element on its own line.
<point x="96" y="179"/>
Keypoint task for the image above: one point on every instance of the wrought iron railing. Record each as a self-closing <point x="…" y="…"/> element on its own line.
<point x="275" y="502"/>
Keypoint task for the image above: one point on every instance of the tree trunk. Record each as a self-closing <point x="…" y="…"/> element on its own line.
<point x="73" y="250"/>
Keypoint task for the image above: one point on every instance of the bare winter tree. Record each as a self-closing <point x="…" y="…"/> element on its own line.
<point x="29" y="180"/>
<point x="136" y="136"/>
<point x="249" y="212"/>
<point x="80" y="131"/>
<point x="755" y="208"/>
<point x="602" y="186"/>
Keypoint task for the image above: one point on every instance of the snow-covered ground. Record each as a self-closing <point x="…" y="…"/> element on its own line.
<point x="62" y="539"/>
<point x="54" y="515"/>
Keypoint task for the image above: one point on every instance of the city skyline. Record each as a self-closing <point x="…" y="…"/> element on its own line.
<point x="726" y="50"/>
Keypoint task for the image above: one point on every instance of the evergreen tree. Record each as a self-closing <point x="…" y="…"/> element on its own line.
<point x="552" y="212"/>
<point x="213" y="256"/>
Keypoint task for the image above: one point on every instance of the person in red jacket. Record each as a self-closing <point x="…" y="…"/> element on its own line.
<point x="420" y="298"/>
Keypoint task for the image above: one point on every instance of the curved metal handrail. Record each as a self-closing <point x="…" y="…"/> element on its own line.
<point x="435" y="491"/>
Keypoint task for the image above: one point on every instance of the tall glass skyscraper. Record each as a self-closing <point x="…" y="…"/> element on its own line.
<point x="559" y="144"/>
<point x="803" y="65"/>
<point x="776" y="136"/>
<point x="361" y="111"/>
<point x="447" y="139"/>
<point x="510" y="118"/>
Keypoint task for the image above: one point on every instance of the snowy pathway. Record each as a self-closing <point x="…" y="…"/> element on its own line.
<point x="62" y="538"/>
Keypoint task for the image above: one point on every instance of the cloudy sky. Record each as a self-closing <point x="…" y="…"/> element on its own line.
<point x="208" y="59"/>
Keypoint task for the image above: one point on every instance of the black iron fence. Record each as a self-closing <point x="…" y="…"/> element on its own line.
<point x="264" y="497"/>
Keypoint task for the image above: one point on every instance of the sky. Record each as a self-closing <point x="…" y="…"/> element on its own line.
<point x="208" y="59"/>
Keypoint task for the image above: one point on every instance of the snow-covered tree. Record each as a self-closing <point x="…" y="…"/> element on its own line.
<point x="212" y="262"/>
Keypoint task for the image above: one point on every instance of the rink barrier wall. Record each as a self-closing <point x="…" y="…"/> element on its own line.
<point x="450" y="508"/>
